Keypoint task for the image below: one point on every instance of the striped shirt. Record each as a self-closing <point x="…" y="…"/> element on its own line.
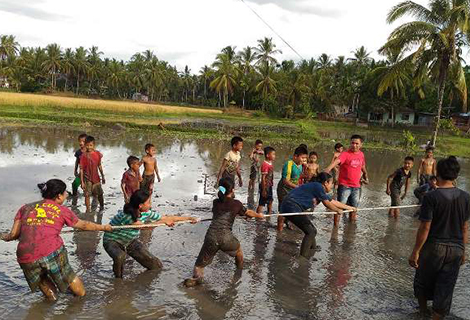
<point x="126" y="236"/>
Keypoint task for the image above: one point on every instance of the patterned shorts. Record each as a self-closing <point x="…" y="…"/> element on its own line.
<point x="55" y="266"/>
<point x="93" y="189"/>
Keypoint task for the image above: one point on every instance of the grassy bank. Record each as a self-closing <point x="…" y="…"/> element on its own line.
<point x="201" y="122"/>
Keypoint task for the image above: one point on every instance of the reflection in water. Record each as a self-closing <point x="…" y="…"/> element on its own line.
<point x="361" y="272"/>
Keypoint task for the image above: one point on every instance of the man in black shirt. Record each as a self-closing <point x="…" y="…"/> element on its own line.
<point x="440" y="243"/>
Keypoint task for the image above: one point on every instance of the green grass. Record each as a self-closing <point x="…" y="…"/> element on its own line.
<point x="214" y="125"/>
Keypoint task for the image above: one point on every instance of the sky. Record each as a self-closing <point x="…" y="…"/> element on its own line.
<point x="190" y="32"/>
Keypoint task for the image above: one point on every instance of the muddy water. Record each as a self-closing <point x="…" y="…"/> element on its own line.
<point x="361" y="272"/>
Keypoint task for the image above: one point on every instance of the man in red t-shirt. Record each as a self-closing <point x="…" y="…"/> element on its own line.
<point x="352" y="173"/>
<point x="90" y="163"/>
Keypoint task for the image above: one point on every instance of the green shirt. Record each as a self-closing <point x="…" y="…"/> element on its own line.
<point x="126" y="236"/>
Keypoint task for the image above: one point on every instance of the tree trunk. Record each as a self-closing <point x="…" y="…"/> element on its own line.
<point x="393" y="116"/>
<point x="78" y="81"/>
<point x="439" y="111"/>
<point x="440" y="94"/>
<point x="243" y="100"/>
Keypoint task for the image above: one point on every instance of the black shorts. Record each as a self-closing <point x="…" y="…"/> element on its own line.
<point x="395" y="196"/>
<point x="435" y="279"/>
<point x="253" y="172"/>
<point x="226" y="242"/>
<point x="269" y="199"/>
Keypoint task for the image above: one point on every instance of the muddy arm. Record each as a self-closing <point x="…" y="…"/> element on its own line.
<point x="14" y="232"/>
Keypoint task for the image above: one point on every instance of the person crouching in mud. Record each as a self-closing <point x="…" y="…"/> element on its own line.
<point x="305" y="197"/>
<point x="219" y="236"/>
<point x="120" y="243"/>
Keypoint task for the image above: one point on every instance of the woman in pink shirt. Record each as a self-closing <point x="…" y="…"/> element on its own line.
<point x="41" y="252"/>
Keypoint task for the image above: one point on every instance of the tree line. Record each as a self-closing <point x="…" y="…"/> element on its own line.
<point x="421" y="68"/>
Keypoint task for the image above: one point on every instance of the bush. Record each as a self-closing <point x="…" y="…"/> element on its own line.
<point x="408" y="140"/>
<point x="448" y="124"/>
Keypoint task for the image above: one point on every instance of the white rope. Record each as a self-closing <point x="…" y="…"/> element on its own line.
<point x="137" y="226"/>
<point x="308" y="213"/>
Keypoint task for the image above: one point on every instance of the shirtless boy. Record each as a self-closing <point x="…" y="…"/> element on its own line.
<point x="427" y="167"/>
<point x="150" y="168"/>
<point x="313" y="168"/>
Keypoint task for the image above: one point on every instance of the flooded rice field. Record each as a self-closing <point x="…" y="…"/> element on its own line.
<point x="361" y="272"/>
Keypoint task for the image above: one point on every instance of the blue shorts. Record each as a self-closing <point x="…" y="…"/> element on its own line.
<point x="349" y="195"/>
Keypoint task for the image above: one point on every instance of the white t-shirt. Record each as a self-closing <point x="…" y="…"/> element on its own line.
<point x="233" y="159"/>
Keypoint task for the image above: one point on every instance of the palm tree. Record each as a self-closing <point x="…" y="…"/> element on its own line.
<point x="80" y="64"/>
<point x="435" y="40"/>
<point x="67" y="65"/>
<point x="53" y="62"/>
<point x="394" y="78"/>
<point x="267" y="85"/>
<point x="266" y="50"/>
<point x="8" y="46"/>
<point x="226" y="75"/>
<point x="116" y="75"/>
<point x="205" y="73"/>
<point x="95" y="64"/>
<point x="246" y="59"/>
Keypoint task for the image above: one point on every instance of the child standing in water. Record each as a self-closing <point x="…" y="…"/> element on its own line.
<point x="90" y="164"/>
<point x="130" y="181"/>
<point x="231" y="163"/>
<point x="219" y="236"/>
<point x="255" y="163"/>
<point x="425" y="188"/>
<point x="401" y="177"/>
<point x="339" y="148"/>
<point x="439" y="250"/>
<point x="77" y="182"/>
<point x="427" y="167"/>
<point x="313" y="169"/>
<point x="120" y="243"/>
<point x="267" y="181"/>
<point x="150" y="168"/>
<point x="291" y="173"/>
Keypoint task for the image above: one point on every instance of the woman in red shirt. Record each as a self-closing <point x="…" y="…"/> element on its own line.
<point x="41" y="252"/>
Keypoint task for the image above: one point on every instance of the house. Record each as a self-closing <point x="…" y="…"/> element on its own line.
<point x="140" y="97"/>
<point x="403" y="116"/>
<point x="425" y="119"/>
<point x="4" y="82"/>
<point x="462" y="121"/>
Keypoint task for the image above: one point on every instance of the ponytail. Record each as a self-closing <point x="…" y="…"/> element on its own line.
<point x="52" y="188"/>
<point x="226" y="186"/>
<point x="132" y="208"/>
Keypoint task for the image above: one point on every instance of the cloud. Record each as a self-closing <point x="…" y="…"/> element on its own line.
<point x="25" y="8"/>
<point x="302" y="7"/>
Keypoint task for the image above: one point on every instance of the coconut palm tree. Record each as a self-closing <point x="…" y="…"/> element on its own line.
<point x="53" y="62"/>
<point x="205" y="73"/>
<point x="8" y="46"/>
<point x="67" y="65"/>
<point x="435" y="39"/>
<point x="267" y="85"/>
<point x="226" y="75"/>
<point x="266" y="50"/>
<point x="246" y="59"/>
<point x="80" y="64"/>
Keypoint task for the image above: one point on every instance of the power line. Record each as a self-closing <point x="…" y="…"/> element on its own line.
<point x="272" y="29"/>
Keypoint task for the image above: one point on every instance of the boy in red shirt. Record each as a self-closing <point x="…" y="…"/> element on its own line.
<point x="90" y="163"/>
<point x="267" y="181"/>
<point x="130" y="181"/>
<point x="352" y="171"/>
